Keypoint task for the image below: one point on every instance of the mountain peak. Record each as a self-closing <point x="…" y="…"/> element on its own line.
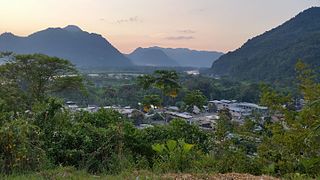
<point x="7" y="34"/>
<point x="81" y="48"/>
<point x="72" y="28"/>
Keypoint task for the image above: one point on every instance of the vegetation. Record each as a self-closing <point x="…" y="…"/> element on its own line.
<point x="195" y="98"/>
<point x="31" y="78"/>
<point x="272" y="56"/>
<point x="49" y="137"/>
<point x="125" y="89"/>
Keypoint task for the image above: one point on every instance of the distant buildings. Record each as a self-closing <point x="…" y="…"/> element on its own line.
<point x="239" y="110"/>
<point x="193" y="72"/>
<point x="204" y="119"/>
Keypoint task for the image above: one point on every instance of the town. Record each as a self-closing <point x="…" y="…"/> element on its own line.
<point x="205" y="119"/>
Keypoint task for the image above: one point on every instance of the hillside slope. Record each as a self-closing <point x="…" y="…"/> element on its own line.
<point x="272" y="55"/>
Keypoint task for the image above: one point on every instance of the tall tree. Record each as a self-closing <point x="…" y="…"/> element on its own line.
<point x="195" y="98"/>
<point x="36" y="76"/>
<point x="166" y="81"/>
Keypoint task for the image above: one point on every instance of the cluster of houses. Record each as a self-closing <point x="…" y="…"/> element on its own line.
<point x="205" y="119"/>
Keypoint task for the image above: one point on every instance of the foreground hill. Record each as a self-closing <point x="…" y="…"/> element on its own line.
<point x="272" y="55"/>
<point x="182" y="57"/>
<point x="81" y="48"/>
<point x="151" y="57"/>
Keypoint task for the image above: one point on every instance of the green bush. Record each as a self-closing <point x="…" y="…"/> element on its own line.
<point x="20" y="147"/>
<point x="176" y="156"/>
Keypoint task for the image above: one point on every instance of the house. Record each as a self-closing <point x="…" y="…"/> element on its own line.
<point x="183" y="115"/>
<point x="144" y="126"/>
<point x="92" y="108"/>
<point x="206" y="122"/>
<point x="72" y="105"/>
<point x="173" y="108"/>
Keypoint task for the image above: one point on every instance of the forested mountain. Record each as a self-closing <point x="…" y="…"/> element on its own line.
<point x="151" y="57"/>
<point x="272" y="55"/>
<point x="80" y="47"/>
<point x="174" y="57"/>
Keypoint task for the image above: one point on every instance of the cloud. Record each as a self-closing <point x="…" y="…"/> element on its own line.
<point x="198" y="10"/>
<point x="133" y="19"/>
<point x="187" y="31"/>
<point x="178" y="38"/>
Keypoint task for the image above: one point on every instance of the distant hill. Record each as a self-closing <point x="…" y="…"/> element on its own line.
<point x="191" y="58"/>
<point x="151" y="57"/>
<point x="272" y="55"/>
<point x="182" y="57"/>
<point x="80" y="47"/>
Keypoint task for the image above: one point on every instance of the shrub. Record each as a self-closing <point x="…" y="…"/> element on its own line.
<point x="174" y="156"/>
<point x="20" y="147"/>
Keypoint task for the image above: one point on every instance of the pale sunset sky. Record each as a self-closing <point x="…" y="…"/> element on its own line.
<point x="220" y="25"/>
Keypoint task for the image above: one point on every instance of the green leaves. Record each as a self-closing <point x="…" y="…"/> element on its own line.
<point x="36" y="76"/>
<point x="166" y="81"/>
<point x="187" y="148"/>
<point x="310" y="89"/>
<point x="174" y="155"/>
<point x="20" y="147"/>
<point x="195" y="98"/>
<point x="293" y="144"/>
<point x="171" y="145"/>
<point x="150" y="101"/>
<point x="159" y="148"/>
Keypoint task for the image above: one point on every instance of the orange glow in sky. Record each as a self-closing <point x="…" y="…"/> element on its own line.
<point x="220" y="25"/>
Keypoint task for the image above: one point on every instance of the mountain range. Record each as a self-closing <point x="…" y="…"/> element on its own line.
<point x="151" y="57"/>
<point x="182" y="57"/>
<point x="80" y="47"/>
<point x="272" y="56"/>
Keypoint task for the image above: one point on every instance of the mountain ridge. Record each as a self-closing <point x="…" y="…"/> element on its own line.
<point x="82" y="48"/>
<point x="272" y="55"/>
<point x="151" y="57"/>
<point x="186" y="57"/>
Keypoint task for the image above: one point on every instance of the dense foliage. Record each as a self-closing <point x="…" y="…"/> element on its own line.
<point x="31" y="78"/>
<point x="284" y="144"/>
<point x="105" y="90"/>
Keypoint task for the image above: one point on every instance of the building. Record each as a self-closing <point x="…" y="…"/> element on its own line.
<point x="239" y="109"/>
<point x="72" y="105"/>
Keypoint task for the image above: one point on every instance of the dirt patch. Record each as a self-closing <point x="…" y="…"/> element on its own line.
<point x="229" y="176"/>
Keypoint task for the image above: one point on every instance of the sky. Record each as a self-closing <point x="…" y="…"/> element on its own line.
<point x="219" y="25"/>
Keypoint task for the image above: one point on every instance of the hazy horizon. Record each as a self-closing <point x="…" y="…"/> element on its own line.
<point x="213" y="25"/>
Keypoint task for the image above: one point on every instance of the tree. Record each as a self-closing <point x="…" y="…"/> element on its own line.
<point x="37" y="76"/>
<point x="137" y="116"/>
<point x="166" y="81"/>
<point x="150" y="101"/>
<point x="195" y="98"/>
<point x="224" y="125"/>
<point x="20" y="147"/>
<point x="293" y="144"/>
<point x="307" y="78"/>
<point x="212" y="107"/>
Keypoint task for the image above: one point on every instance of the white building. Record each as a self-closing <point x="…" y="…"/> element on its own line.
<point x="239" y="110"/>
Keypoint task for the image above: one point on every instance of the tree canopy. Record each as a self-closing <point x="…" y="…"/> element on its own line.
<point x="32" y="78"/>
